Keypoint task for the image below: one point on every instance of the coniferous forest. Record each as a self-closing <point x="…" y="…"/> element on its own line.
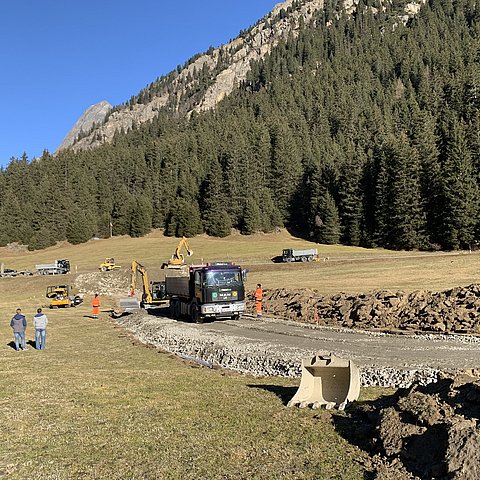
<point x="361" y="130"/>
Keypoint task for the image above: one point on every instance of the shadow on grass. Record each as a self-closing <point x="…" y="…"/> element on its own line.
<point x="285" y="394"/>
<point x="28" y="343"/>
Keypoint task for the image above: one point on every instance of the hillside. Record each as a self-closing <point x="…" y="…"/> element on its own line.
<point x="358" y="127"/>
<point x="204" y="80"/>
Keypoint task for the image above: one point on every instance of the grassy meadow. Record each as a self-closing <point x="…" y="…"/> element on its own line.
<point x="96" y="404"/>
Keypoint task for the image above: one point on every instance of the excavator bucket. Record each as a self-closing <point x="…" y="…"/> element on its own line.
<point x="327" y="381"/>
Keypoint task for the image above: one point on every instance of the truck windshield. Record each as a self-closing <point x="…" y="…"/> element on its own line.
<point x="223" y="278"/>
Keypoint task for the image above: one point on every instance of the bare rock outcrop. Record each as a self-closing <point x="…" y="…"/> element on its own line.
<point x="94" y="115"/>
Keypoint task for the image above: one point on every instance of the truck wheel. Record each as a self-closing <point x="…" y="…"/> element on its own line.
<point x="304" y="259"/>
<point x="175" y="309"/>
<point x="288" y="259"/>
<point x="310" y="258"/>
<point x="236" y="317"/>
<point x="195" y="314"/>
<point x="103" y="269"/>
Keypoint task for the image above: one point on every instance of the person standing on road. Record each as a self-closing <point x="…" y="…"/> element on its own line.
<point x="19" y="324"/>
<point x="258" y="300"/>
<point x="40" y="322"/>
<point x="96" y="305"/>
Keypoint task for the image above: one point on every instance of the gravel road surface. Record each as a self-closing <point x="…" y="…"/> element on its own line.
<point x="276" y="347"/>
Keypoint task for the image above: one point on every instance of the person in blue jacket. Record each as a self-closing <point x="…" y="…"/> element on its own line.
<point x="19" y="324"/>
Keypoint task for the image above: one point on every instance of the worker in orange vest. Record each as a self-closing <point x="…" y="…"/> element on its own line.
<point x="258" y="300"/>
<point x="96" y="305"/>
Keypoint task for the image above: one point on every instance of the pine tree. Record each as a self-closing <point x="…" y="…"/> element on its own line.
<point x="459" y="189"/>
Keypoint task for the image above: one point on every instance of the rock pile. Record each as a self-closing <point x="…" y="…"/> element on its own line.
<point x="452" y="311"/>
<point x="111" y="283"/>
<point x="423" y="432"/>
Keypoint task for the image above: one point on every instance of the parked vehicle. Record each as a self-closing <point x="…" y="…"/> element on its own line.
<point x="57" y="267"/>
<point x="292" y="255"/>
<point x="11" y="272"/>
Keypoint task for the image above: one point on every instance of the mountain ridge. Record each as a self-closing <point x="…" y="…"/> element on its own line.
<point x="253" y="46"/>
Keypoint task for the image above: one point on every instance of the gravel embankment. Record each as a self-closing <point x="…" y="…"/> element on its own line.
<point x="258" y="358"/>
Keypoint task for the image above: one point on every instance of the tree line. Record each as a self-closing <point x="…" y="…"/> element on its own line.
<point x="360" y="130"/>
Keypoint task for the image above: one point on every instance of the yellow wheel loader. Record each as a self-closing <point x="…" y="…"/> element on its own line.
<point x="108" y="265"/>
<point x="327" y="381"/>
<point x="178" y="260"/>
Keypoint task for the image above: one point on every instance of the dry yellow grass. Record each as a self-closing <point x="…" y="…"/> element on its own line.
<point x="97" y="405"/>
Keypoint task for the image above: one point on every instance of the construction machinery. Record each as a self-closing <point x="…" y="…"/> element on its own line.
<point x="60" y="297"/>
<point x="178" y="260"/>
<point x="293" y="255"/>
<point x="327" y="381"/>
<point x="108" y="265"/>
<point x="215" y="290"/>
<point x="55" y="268"/>
<point x="153" y="292"/>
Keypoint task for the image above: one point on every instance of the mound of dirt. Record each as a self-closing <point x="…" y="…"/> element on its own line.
<point x="112" y="283"/>
<point x="452" y="311"/>
<point x="426" y="432"/>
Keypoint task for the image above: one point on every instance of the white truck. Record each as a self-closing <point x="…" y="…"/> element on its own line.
<point x="307" y="255"/>
<point x="55" y="268"/>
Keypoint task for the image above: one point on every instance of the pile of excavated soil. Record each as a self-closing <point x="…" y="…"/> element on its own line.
<point x="425" y="432"/>
<point x="114" y="283"/>
<point x="451" y="311"/>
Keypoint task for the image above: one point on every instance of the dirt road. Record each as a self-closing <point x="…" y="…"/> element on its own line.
<point x="439" y="352"/>
<point x="276" y="347"/>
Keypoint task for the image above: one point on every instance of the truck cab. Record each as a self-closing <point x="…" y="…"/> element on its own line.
<point x="215" y="290"/>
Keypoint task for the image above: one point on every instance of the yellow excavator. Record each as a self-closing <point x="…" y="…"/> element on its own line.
<point x="108" y="265"/>
<point x="153" y="292"/>
<point x="178" y="260"/>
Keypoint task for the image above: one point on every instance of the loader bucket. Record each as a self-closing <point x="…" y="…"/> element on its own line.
<point x="327" y="381"/>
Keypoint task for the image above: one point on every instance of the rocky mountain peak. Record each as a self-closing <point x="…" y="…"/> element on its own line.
<point x="224" y="67"/>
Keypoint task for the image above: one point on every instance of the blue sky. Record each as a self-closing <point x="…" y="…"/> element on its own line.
<point x="58" y="57"/>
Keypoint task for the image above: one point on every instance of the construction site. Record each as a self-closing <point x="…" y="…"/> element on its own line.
<point x="419" y="346"/>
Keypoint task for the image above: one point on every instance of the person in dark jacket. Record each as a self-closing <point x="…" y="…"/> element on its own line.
<point x="19" y="324"/>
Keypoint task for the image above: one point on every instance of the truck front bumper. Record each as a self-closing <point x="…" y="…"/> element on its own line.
<point x="222" y="309"/>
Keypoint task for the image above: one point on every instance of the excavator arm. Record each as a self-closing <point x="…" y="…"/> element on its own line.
<point x="178" y="255"/>
<point x="177" y="260"/>
<point x="137" y="268"/>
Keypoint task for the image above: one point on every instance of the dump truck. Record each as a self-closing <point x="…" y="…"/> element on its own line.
<point x="215" y="290"/>
<point x="292" y="255"/>
<point x="327" y="381"/>
<point x="55" y="268"/>
<point x="60" y="297"/>
<point x="108" y="265"/>
<point x="177" y="261"/>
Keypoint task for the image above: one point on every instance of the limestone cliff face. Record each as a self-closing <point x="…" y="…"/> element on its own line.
<point x="235" y="58"/>
<point x="236" y="55"/>
<point x="94" y="115"/>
